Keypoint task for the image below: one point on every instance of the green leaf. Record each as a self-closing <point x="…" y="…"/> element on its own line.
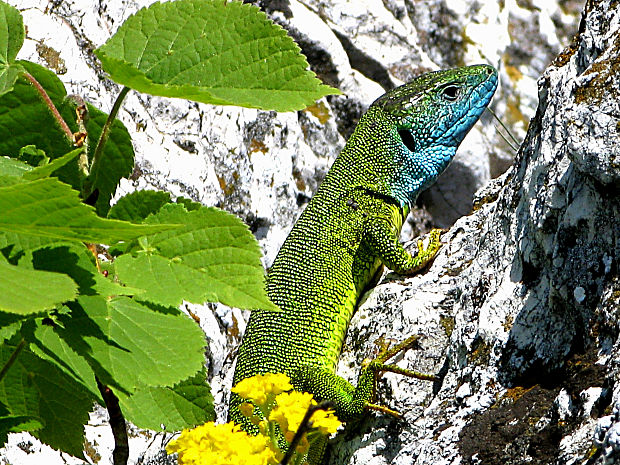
<point x="76" y="261"/>
<point x="13" y="246"/>
<point x="216" y="51"/>
<point x="26" y="291"/>
<point x="11" y="41"/>
<point x="189" y="204"/>
<point x="33" y="156"/>
<point x="13" y="167"/>
<point x="47" y="169"/>
<point x="16" y="424"/>
<point x="49" y="208"/>
<point x="46" y="343"/>
<point x="135" y="207"/>
<point x="185" y="405"/>
<point x="36" y="388"/>
<point x="213" y="258"/>
<point x="26" y="120"/>
<point x="130" y="346"/>
<point x="10" y="323"/>
<point x="11" y="33"/>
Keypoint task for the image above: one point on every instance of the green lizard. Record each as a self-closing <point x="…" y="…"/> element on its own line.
<point x="350" y="229"/>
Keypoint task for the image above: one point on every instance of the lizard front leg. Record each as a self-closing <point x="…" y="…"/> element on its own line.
<point x="382" y="237"/>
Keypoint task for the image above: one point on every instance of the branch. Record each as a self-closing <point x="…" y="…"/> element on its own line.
<point x="117" y="423"/>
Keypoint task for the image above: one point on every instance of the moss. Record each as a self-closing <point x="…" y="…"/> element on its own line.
<point x="481" y="354"/>
<point x="91" y="451"/>
<point x="228" y="188"/>
<point x="598" y="88"/>
<point x="513" y="72"/>
<point x="484" y="200"/>
<point x="52" y="58"/>
<point x="257" y="146"/>
<point x="447" y="323"/>
<point x="513" y="113"/>
<point x="299" y="180"/>
<point x="565" y="55"/>
<point x="507" y="325"/>
<point x="320" y="111"/>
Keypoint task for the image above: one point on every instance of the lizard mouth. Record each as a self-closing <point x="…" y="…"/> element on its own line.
<point x="476" y="102"/>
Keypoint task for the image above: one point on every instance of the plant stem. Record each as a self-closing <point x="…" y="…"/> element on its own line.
<point x="105" y="133"/>
<point x="117" y="423"/>
<point x="304" y="427"/>
<point x="13" y="357"/>
<point x="48" y="101"/>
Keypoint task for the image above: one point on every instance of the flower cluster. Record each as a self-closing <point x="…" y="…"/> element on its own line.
<point x="212" y="444"/>
<point x="262" y="388"/>
<point x="271" y="402"/>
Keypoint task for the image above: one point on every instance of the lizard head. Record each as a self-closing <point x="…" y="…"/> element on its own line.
<point x="429" y="117"/>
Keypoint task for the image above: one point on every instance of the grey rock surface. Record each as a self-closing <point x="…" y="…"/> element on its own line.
<point x="518" y="310"/>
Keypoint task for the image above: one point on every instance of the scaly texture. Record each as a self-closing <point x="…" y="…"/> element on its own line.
<point x="350" y="229"/>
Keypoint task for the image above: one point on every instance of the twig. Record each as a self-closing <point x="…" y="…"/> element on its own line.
<point x="12" y="358"/>
<point x="117" y="423"/>
<point x="105" y="133"/>
<point x="48" y="101"/>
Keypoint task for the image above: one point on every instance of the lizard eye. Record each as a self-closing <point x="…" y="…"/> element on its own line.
<point x="451" y="93"/>
<point x="407" y="138"/>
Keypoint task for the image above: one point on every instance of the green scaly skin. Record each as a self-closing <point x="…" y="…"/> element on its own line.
<point x="350" y="229"/>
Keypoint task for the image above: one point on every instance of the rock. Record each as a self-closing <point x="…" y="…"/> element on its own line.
<point x="529" y="284"/>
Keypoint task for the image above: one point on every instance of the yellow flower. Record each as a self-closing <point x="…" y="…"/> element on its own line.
<point x="325" y="421"/>
<point x="247" y="409"/>
<point x="225" y="444"/>
<point x="290" y="411"/>
<point x="258" y="388"/>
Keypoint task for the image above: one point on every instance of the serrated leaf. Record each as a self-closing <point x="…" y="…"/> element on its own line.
<point x="37" y="388"/>
<point x="213" y="258"/>
<point x="135" y="207"/>
<point x="184" y="405"/>
<point x="47" y="169"/>
<point x="33" y="156"/>
<point x="13" y="167"/>
<point x="130" y="346"/>
<point x="9" y="325"/>
<point x="23" y="115"/>
<point x="26" y="291"/>
<point x="11" y="41"/>
<point x="46" y="343"/>
<point x="16" y="424"/>
<point x="49" y="208"/>
<point x="13" y="246"/>
<point x="211" y="51"/>
<point x="189" y="204"/>
<point x="77" y="262"/>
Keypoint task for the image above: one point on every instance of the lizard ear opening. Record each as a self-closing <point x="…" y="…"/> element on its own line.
<point x="407" y="138"/>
